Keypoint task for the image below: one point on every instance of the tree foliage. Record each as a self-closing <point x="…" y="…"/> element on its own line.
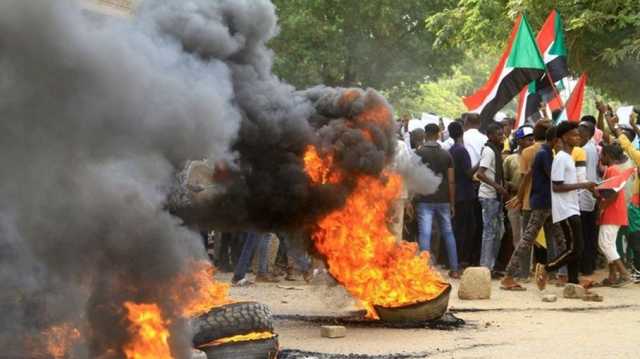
<point x="444" y="96"/>
<point x="603" y="37"/>
<point x="380" y="44"/>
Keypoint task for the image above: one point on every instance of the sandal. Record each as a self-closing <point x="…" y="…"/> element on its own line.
<point x="541" y="276"/>
<point x="513" y="287"/>
<point x="605" y="283"/>
<point x="622" y="282"/>
<point x="592" y="297"/>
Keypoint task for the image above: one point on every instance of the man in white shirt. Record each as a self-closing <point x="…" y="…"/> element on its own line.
<point x="565" y="206"/>
<point x="474" y="140"/>
<point x="492" y="195"/>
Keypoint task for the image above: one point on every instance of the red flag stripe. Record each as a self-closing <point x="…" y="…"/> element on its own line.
<point x="475" y="101"/>
<point x="574" y="105"/>
<point x="547" y="34"/>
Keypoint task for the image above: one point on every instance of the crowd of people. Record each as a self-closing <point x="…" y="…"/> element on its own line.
<point x="521" y="202"/>
<point x="527" y="201"/>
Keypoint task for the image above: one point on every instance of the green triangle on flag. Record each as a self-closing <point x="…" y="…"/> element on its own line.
<point x="519" y="66"/>
<point x="525" y="52"/>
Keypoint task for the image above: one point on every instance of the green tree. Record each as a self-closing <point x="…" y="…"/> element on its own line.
<point x="380" y="44"/>
<point x="444" y="95"/>
<point x="603" y="37"/>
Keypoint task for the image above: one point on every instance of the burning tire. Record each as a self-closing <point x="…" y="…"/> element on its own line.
<point x="231" y="320"/>
<point x="252" y="349"/>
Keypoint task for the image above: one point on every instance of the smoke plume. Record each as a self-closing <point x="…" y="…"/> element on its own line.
<point x="97" y="114"/>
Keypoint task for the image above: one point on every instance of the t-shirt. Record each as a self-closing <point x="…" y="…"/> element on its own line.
<point x="446" y="144"/>
<point x="541" y="178"/>
<point x="474" y="141"/>
<point x="465" y="190"/>
<point x="579" y="156"/>
<point x="564" y="204"/>
<point x="526" y="161"/>
<point x="587" y="200"/>
<point x="488" y="161"/>
<point x="512" y="173"/>
<point x="616" y="212"/>
<point x="439" y="161"/>
<point x="401" y="161"/>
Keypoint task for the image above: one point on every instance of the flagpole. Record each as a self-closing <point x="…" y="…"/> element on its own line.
<point x="553" y="86"/>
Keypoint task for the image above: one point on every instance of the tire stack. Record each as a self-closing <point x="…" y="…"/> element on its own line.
<point x="232" y="320"/>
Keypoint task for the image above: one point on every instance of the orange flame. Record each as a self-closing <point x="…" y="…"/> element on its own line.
<point x="320" y="169"/>
<point x="375" y="268"/>
<point x="378" y="114"/>
<point x="197" y="291"/>
<point x="194" y="292"/>
<point x="149" y="336"/>
<point x="240" y="338"/>
<point x="60" y="339"/>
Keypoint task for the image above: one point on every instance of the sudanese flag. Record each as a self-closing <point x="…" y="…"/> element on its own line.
<point x="520" y="65"/>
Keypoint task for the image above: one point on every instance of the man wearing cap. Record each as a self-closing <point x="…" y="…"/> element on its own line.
<point x="513" y="180"/>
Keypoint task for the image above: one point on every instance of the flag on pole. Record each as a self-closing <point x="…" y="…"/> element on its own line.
<point x="520" y="65"/>
<point x="551" y="42"/>
<point x="573" y="108"/>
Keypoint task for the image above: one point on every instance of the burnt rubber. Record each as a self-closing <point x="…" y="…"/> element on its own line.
<point x="231" y="320"/>
<point x="254" y="349"/>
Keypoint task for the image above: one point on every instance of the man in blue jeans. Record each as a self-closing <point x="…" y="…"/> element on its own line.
<point x="440" y="204"/>
<point x="492" y="194"/>
<point x="257" y="243"/>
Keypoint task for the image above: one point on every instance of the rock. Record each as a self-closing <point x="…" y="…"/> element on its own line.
<point x="475" y="284"/>
<point x="550" y="298"/>
<point x="574" y="291"/>
<point x="333" y="331"/>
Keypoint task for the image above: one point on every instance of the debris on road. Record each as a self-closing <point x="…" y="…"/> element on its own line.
<point x="333" y="331"/>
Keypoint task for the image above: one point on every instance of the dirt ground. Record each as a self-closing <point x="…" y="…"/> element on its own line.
<point x="510" y="324"/>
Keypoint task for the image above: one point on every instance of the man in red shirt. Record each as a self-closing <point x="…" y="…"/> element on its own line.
<point x="613" y="216"/>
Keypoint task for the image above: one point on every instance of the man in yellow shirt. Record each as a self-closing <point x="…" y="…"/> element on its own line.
<point x="513" y="180"/>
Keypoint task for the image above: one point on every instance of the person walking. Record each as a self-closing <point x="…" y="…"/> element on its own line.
<point x="565" y="206"/>
<point x="513" y="180"/>
<point x="257" y="243"/>
<point x="440" y="204"/>
<point x="539" y="217"/>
